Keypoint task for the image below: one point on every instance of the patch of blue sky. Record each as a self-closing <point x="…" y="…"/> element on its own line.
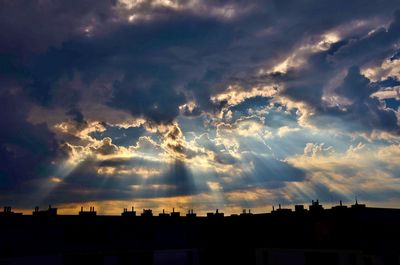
<point x="121" y="136"/>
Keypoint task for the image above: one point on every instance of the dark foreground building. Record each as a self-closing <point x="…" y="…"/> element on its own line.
<point x="356" y="235"/>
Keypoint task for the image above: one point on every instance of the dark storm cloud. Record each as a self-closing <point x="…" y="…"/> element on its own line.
<point x="157" y="101"/>
<point x="364" y="113"/>
<point x="375" y="46"/>
<point x="364" y="109"/>
<point x="308" y="83"/>
<point x="26" y="150"/>
<point x="28" y="26"/>
<point x="160" y="59"/>
<point x="76" y="115"/>
<point x="165" y="61"/>
<point x="150" y="57"/>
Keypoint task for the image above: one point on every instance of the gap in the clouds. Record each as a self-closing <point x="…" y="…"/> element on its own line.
<point x="253" y="103"/>
<point x="278" y="115"/>
<point x="392" y="103"/>
<point x="120" y="136"/>
<point x="193" y="126"/>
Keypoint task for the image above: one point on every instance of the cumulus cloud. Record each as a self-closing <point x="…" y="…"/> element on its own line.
<point x="107" y="147"/>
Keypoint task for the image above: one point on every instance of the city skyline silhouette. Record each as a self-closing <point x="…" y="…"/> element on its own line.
<point x="306" y="235"/>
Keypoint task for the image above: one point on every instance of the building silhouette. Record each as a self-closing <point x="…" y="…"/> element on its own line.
<point x="191" y="214"/>
<point x="131" y="213"/>
<point x="341" y="235"/>
<point x="217" y="214"/>
<point x="48" y="212"/>
<point x="8" y="212"/>
<point x="147" y="213"/>
<point x="90" y="213"/>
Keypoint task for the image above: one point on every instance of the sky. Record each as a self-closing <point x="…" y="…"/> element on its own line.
<point x="198" y="104"/>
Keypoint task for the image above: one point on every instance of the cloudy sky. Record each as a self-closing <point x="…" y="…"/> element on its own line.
<point x="198" y="103"/>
